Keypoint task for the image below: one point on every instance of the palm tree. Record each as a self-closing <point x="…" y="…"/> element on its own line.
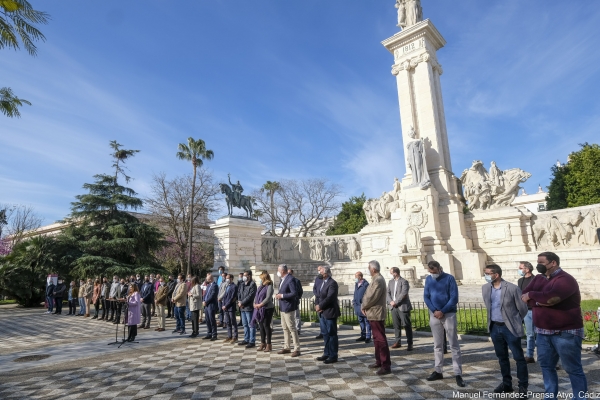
<point x="194" y="151"/>
<point x="16" y="19"/>
<point x="271" y="187"/>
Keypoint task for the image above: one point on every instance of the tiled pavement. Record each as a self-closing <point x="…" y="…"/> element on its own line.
<point x="166" y="366"/>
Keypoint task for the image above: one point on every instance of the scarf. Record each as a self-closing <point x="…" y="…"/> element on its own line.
<point x="259" y="313"/>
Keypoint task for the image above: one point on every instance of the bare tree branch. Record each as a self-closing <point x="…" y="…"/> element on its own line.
<point x="20" y="220"/>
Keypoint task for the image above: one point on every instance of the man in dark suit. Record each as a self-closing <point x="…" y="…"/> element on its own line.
<point x="329" y="308"/>
<point x="316" y="289"/>
<point x="147" y="297"/>
<point x="228" y="306"/>
<point x="210" y="307"/>
<point x="360" y="287"/>
<point x="399" y="302"/>
<point x="288" y="303"/>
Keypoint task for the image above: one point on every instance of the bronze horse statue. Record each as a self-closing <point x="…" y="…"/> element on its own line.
<point x="245" y="201"/>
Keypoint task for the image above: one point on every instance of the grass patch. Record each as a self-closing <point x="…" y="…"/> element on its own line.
<point x="590" y="305"/>
<point x="3" y="302"/>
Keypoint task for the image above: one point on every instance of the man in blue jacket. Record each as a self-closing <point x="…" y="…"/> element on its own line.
<point x="147" y="297"/>
<point x="228" y="307"/>
<point x="360" y="287"/>
<point x="441" y="297"/>
<point x="288" y="303"/>
<point x="210" y="307"/>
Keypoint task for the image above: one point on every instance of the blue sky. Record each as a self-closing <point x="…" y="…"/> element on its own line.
<point x="282" y="89"/>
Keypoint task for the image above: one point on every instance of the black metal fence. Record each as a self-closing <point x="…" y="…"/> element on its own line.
<point x="471" y="317"/>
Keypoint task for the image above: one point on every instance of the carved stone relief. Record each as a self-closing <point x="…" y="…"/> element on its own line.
<point x="326" y="248"/>
<point x="417" y="216"/>
<point x="562" y="229"/>
<point x="380" y="210"/>
<point x="496" y="234"/>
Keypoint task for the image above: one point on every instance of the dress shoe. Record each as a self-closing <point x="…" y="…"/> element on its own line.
<point x="242" y="343"/>
<point x="214" y="338"/>
<point x="95" y="317"/>
<point x="193" y="335"/>
<point x="296" y="354"/>
<point x="176" y="331"/>
<point x="368" y="340"/>
<point x="227" y="340"/>
<point x="374" y="366"/>
<point x="219" y="324"/>
<point x="284" y="351"/>
<point x="523" y="392"/>
<point x="69" y="314"/>
<point x="182" y="333"/>
<point x="146" y="327"/>
<point x="330" y="361"/>
<point x="115" y="322"/>
<point x="322" y="358"/>
<point x="396" y="345"/>
<point x="384" y="371"/>
<point x="435" y="376"/>
<point x="250" y="345"/>
<point x="207" y="337"/>
<point x="503" y="388"/>
<point x="268" y="348"/>
<point x="161" y="329"/>
<point x="319" y="337"/>
<point x="54" y="313"/>
<point x="530" y="360"/>
<point x="409" y="347"/>
<point x="156" y="329"/>
<point x="361" y="339"/>
<point x="459" y="381"/>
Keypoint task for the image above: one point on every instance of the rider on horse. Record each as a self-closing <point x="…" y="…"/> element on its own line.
<point x="237" y="191"/>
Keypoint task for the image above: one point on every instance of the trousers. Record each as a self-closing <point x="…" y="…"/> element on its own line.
<point x="382" y="349"/>
<point x="438" y="326"/>
<point x="160" y="314"/>
<point x="503" y="339"/>
<point x="400" y="318"/>
<point x="146" y="315"/>
<point x="211" y="321"/>
<point x="288" y="323"/>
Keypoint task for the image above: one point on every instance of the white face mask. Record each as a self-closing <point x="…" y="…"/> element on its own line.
<point x="59" y="281"/>
<point x="521" y="272"/>
<point x="278" y="274"/>
<point x="227" y="281"/>
<point x="356" y="280"/>
<point x="435" y="276"/>
<point x="259" y="281"/>
<point x="178" y="280"/>
<point x="245" y="279"/>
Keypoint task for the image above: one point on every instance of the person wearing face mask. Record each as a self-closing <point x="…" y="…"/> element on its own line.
<point x="222" y="290"/>
<point x="139" y="281"/>
<point x="316" y="288"/>
<point x="179" y="296"/>
<point x="441" y="298"/>
<point x="228" y="306"/>
<point x="239" y="283"/>
<point x="505" y="313"/>
<point x="170" y="288"/>
<point x="263" y="311"/>
<point x="59" y="293"/>
<point x="360" y="287"/>
<point x="96" y="298"/>
<point x="210" y="304"/>
<point x="400" y="305"/>
<point x="121" y="298"/>
<point x="81" y="298"/>
<point x="195" y="302"/>
<point x="526" y="273"/>
<point x="188" y="284"/>
<point x="154" y="280"/>
<point x="299" y="293"/>
<point x="246" y="295"/>
<point x="556" y="302"/>
<point x="72" y="297"/>
<point x="374" y="307"/>
<point x="161" y="301"/>
<point x="287" y="297"/>
<point x="49" y="295"/>
<point x="104" y="296"/>
<point x="112" y="298"/>
<point x="329" y="308"/>
<point x="147" y="297"/>
<point x="89" y="292"/>
<point x="133" y="311"/>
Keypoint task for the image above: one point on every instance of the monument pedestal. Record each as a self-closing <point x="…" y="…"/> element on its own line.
<point x="237" y="244"/>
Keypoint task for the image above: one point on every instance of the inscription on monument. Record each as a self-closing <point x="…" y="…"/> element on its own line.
<point x="409" y="48"/>
<point x="497" y="234"/>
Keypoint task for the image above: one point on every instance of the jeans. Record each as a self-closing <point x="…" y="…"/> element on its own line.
<point x="180" y="318"/>
<point x="365" y="327"/>
<point x="330" y="338"/>
<point x="249" y="332"/>
<point x="50" y="303"/>
<point x="81" y="305"/>
<point x="211" y="321"/>
<point x="530" y="331"/>
<point x="382" y="349"/>
<point x="567" y="347"/>
<point x="503" y="339"/>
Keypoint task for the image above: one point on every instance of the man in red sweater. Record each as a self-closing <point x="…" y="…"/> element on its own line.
<point x="555" y="299"/>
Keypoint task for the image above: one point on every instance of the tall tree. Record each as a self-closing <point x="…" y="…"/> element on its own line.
<point x="194" y="151"/>
<point x="19" y="220"/>
<point x="351" y="218"/>
<point x="111" y="240"/>
<point x="17" y="19"/>
<point x="271" y="188"/>
<point x="577" y="183"/>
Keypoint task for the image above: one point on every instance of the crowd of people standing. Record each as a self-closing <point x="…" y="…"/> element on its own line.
<point x="548" y="304"/>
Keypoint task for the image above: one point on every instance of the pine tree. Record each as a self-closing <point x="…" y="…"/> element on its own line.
<point x="110" y="240"/>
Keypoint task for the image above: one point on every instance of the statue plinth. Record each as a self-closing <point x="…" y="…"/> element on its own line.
<point x="237" y="243"/>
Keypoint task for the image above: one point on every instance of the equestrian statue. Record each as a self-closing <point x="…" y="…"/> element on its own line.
<point x="235" y="198"/>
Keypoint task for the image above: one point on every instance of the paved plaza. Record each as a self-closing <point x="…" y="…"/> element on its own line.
<point x="166" y="366"/>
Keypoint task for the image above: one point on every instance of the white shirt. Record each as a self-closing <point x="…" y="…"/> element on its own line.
<point x="395" y="289"/>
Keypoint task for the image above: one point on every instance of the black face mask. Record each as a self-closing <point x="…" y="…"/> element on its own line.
<point x="147" y="279"/>
<point x="541" y="268"/>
